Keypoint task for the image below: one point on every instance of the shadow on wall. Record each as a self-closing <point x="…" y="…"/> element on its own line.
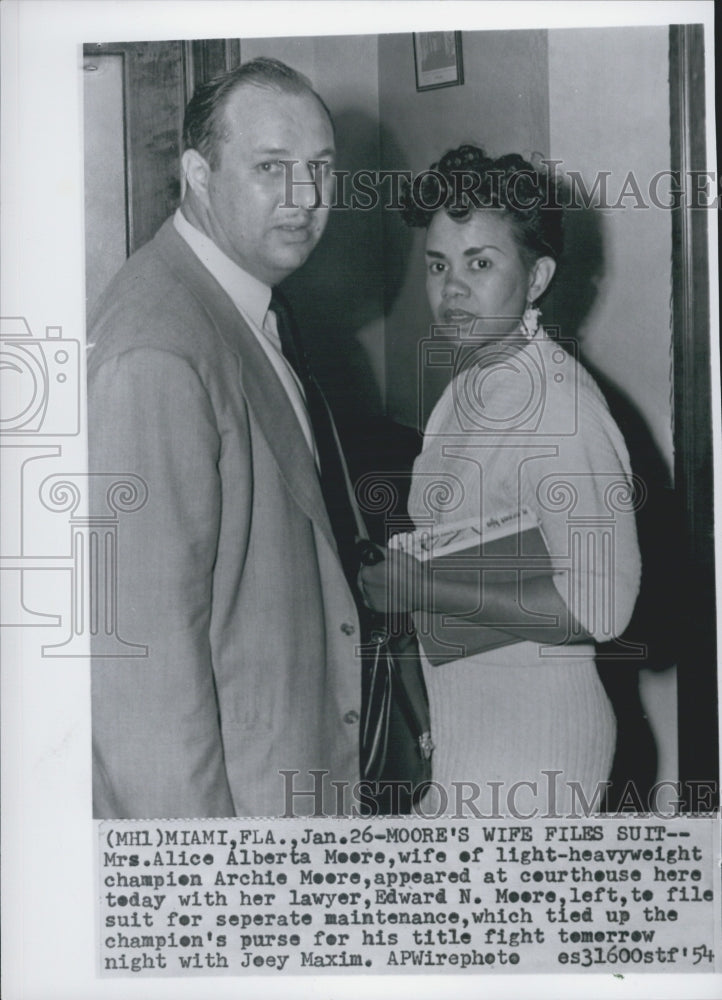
<point x="579" y="274"/>
<point x="653" y="625"/>
<point x="344" y="286"/>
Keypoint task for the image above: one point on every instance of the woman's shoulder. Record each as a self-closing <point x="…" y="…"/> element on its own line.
<point x="570" y="385"/>
<point x="538" y="389"/>
<point x="512" y="389"/>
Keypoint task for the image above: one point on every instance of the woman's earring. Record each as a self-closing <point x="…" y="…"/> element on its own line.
<point x="530" y="321"/>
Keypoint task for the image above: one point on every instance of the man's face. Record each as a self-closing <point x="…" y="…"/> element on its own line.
<point x="250" y="215"/>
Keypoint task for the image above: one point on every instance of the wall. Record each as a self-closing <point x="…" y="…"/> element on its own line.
<point x="503" y="106"/>
<point x="609" y="111"/>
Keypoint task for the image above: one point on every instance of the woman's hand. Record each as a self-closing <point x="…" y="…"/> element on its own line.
<point x="391" y="585"/>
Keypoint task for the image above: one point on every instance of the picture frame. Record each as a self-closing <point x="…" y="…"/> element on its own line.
<point x="438" y="60"/>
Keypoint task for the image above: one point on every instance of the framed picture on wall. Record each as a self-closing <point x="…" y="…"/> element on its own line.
<point x="437" y="59"/>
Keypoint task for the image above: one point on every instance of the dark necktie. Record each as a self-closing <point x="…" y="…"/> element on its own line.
<point x="383" y="722"/>
<point x="333" y="479"/>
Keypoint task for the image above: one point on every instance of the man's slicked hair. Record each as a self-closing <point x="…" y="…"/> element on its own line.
<point x="204" y="124"/>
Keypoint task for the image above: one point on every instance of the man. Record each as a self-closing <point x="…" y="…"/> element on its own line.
<point x="230" y="572"/>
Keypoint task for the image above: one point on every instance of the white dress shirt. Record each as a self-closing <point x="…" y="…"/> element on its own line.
<point x="251" y="298"/>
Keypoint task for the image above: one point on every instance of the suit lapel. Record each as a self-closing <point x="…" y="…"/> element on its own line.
<point x="266" y="397"/>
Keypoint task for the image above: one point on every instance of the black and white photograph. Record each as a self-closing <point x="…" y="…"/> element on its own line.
<point x="360" y="431"/>
<point x="216" y="590"/>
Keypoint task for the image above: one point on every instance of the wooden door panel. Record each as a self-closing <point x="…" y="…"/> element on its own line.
<point x="157" y="79"/>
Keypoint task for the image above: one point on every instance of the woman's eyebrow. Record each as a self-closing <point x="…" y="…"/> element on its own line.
<point x="469" y="252"/>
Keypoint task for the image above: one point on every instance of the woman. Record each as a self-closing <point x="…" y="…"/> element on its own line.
<point x="521" y="437"/>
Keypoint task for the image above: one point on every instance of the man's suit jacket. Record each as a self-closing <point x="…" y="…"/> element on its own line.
<point x="229" y="572"/>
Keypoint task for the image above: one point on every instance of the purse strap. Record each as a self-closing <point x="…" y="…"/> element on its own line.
<point x="403" y="662"/>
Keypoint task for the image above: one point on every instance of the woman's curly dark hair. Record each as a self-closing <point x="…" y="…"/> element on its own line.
<point x="466" y="179"/>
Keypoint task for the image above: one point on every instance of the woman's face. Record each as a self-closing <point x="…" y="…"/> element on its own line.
<point x="476" y="277"/>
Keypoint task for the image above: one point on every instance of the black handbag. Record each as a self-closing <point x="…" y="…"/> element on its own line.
<point x="396" y="744"/>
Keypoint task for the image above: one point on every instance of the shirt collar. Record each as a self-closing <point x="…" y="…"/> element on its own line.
<point x="249" y="295"/>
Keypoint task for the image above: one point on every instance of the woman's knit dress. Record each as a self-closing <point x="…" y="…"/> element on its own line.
<point x="530" y="430"/>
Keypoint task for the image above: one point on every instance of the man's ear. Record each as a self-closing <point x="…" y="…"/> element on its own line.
<point x="196" y="172"/>
<point x="540" y="277"/>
